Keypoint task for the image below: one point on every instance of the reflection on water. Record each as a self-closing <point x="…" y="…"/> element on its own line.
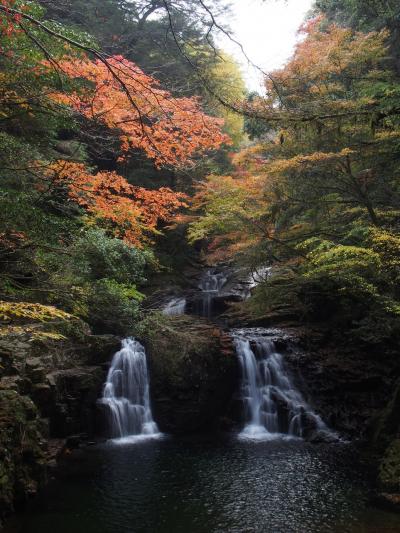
<point x="210" y="487"/>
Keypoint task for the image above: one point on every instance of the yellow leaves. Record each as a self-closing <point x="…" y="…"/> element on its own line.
<point x="301" y="162"/>
<point x="233" y="208"/>
<point x="30" y="312"/>
<point x="387" y="135"/>
<point x="387" y="245"/>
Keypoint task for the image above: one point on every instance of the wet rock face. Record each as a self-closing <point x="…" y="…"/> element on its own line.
<point x="22" y="450"/>
<point x="194" y="374"/>
<point x="389" y="470"/>
<point x="348" y="386"/>
<point x="48" y="390"/>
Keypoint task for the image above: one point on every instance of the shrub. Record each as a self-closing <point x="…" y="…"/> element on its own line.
<point x="113" y="307"/>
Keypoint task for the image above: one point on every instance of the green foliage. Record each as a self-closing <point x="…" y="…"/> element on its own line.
<point x="95" y="256"/>
<point x="96" y="278"/>
<point x="352" y="287"/>
<point x="330" y="260"/>
<point x="359" y="14"/>
<point x="113" y="307"/>
<point x="225" y="81"/>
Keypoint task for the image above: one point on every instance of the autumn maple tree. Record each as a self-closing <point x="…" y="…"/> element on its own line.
<point x="169" y="130"/>
<point x="317" y="194"/>
<point x="129" y="212"/>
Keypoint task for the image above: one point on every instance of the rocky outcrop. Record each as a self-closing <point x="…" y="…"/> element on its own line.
<point x="22" y="449"/>
<point x="385" y="445"/>
<point x="194" y="374"/>
<point x="50" y="378"/>
<point x="350" y="384"/>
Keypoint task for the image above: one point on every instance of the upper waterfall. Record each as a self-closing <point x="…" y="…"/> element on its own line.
<point x="210" y="286"/>
<point x="126" y="394"/>
<point x="175" y="307"/>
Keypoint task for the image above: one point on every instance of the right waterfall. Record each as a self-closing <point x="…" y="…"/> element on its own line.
<point x="273" y="407"/>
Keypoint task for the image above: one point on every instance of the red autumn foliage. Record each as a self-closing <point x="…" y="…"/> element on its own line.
<point x="9" y="21"/>
<point x="121" y="96"/>
<point x="132" y="213"/>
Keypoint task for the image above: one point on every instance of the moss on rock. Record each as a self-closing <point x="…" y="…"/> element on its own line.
<point x="389" y="470"/>
<point x="22" y="450"/>
<point x="194" y="372"/>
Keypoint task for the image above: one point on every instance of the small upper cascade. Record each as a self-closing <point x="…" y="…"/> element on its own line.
<point x="210" y="285"/>
<point x="273" y="405"/>
<point x="175" y="307"/>
<point x="256" y="277"/>
<point x="126" y="394"/>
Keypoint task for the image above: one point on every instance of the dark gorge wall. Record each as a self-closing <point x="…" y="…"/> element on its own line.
<point x="49" y="385"/>
<point x="194" y="375"/>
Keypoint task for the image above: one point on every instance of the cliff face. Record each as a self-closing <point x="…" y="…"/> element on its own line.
<point x="49" y="384"/>
<point x="194" y="375"/>
<point x="349" y="384"/>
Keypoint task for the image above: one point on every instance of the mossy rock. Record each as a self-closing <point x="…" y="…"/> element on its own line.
<point x="389" y="470"/>
<point x="30" y="312"/>
<point x="22" y="457"/>
<point x="41" y="322"/>
<point x="194" y="373"/>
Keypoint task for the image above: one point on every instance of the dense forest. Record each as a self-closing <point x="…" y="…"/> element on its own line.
<point x="132" y="155"/>
<point x="96" y="152"/>
<point x="102" y="148"/>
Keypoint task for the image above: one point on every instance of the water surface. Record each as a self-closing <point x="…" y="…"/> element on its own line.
<point x="209" y="486"/>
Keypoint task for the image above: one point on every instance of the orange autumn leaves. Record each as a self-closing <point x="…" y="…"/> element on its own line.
<point x="131" y="213"/>
<point x="116" y="94"/>
<point x="170" y="131"/>
<point x="121" y="96"/>
<point x="324" y="69"/>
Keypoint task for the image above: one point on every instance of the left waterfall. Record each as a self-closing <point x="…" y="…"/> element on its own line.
<point x="126" y="394"/>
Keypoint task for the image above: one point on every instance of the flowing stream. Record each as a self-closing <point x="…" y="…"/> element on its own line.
<point x="126" y="394"/>
<point x="175" y="307"/>
<point x="210" y="286"/>
<point x="273" y="406"/>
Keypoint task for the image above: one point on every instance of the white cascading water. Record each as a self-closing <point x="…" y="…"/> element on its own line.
<point x="273" y="406"/>
<point x="210" y="285"/>
<point x="176" y="307"/>
<point x="126" y="394"/>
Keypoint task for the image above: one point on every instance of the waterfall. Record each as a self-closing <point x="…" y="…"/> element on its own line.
<point x="126" y="394"/>
<point x="176" y="307"/>
<point x="273" y="406"/>
<point x="210" y="286"/>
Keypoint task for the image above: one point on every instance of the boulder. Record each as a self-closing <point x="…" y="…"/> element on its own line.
<point x="194" y="374"/>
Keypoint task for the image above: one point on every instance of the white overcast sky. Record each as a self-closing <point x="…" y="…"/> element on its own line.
<point x="268" y="32"/>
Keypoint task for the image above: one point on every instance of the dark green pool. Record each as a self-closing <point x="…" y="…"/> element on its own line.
<point x="192" y="486"/>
